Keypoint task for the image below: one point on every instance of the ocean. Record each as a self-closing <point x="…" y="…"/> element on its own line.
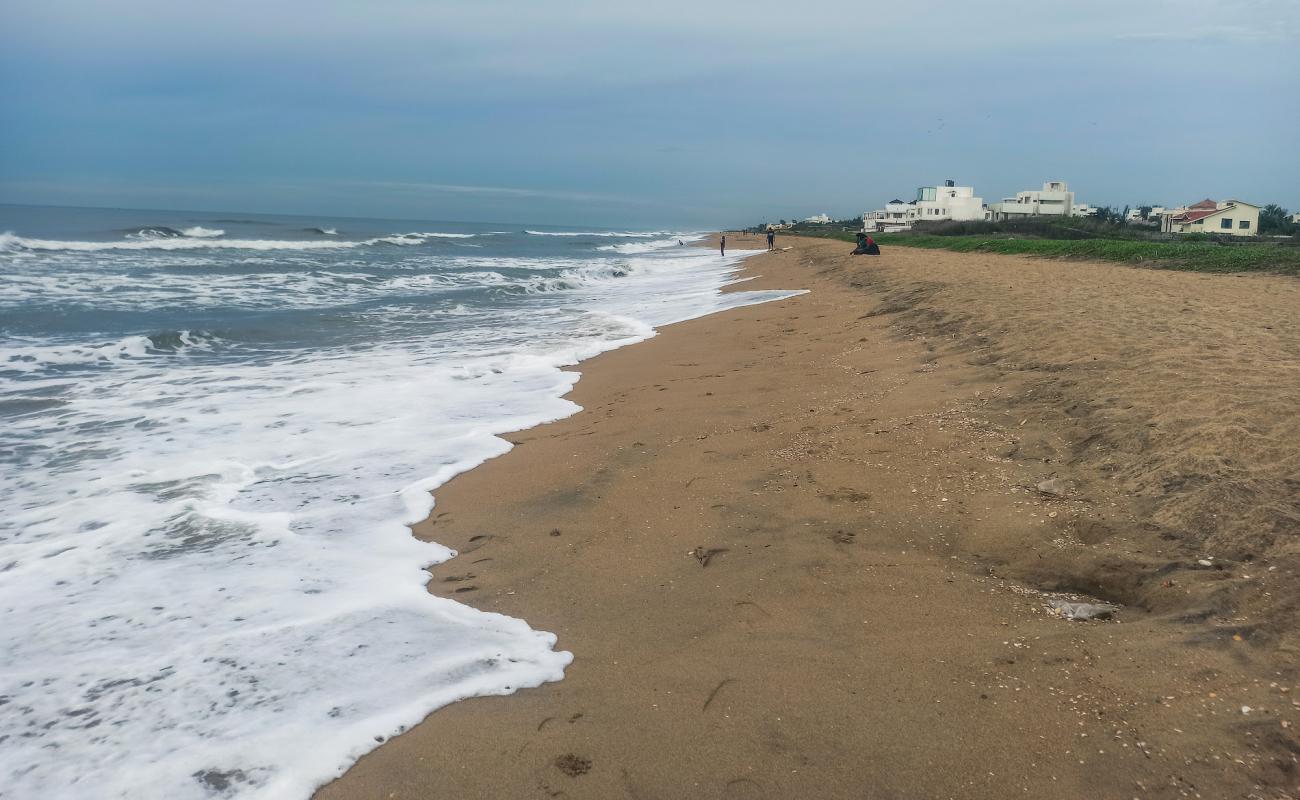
<point x="216" y="430"/>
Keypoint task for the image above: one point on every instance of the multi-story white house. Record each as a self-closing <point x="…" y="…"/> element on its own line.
<point x="1153" y="215"/>
<point x="895" y="216"/>
<point x="1231" y="217"/>
<point x="820" y="219"/>
<point x="932" y="204"/>
<point x="948" y="202"/>
<point x="1054" y="200"/>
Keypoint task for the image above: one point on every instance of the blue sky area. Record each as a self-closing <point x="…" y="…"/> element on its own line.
<point x="666" y="113"/>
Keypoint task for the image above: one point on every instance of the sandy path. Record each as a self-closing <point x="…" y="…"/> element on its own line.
<point x="793" y="547"/>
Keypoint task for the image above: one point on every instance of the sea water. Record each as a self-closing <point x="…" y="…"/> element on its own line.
<point x="215" y="431"/>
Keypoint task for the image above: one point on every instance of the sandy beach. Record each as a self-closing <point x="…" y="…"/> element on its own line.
<point x="808" y="548"/>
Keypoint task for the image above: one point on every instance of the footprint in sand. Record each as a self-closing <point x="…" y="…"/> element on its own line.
<point x="573" y="765"/>
<point x="475" y="542"/>
<point x="842" y="537"/>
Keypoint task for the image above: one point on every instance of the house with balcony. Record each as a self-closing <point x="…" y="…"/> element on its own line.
<point x="1230" y="218"/>
<point x="948" y="202"/>
<point x="932" y="204"/>
<point x="895" y="216"/>
<point x="1054" y="200"/>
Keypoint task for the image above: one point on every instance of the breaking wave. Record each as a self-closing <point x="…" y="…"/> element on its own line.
<point x="19" y="355"/>
<point x="608" y="234"/>
<point x="201" y="238"/>
<point x="631" y="248"/>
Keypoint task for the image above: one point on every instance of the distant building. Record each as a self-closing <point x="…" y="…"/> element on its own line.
<point x="820" y="219"/>
<point x="932" y="204"/>
<point x="948" y="202"/>
<point x="1231" y="217"/>
<point x="1054" y="200"/>
<point x="1153" y="216"/>
<point x="895" y="216"/>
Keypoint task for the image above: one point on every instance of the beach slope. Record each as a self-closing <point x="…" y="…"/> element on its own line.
<point x="811" y="548"/>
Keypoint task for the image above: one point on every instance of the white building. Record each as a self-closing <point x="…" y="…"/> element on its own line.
<point x="932" y="204"/>
<point x="948" y="202"/>
<point x="1054" y="200"/>
<point x="1229" y="218"/>
<point x="895" y="216"/>
<point x="1135" y="214"/>
<point x="820" y="219"/>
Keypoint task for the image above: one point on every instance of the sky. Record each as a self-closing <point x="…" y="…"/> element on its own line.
<point x="698" y="114"/>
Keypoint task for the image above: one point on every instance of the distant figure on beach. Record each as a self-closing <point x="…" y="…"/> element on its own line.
<point x="722" y="246"/>
<point x="866" y="245"/>
<point x="771" y="240"/>
<point x="680" y="243"/>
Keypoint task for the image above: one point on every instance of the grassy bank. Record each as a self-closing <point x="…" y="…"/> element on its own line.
<point x="1194" y="256"/>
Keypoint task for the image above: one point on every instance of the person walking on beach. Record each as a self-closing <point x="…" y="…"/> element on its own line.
<point x="771" y="240"/>
<point x="722" y="246"/>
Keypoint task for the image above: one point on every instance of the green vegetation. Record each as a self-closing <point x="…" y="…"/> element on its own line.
<point x="1196" y="256"/>
<point x="1274" y="219"/>
<point x="1199" y="256"/>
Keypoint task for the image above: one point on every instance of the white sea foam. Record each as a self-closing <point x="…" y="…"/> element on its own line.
<point x="304" y="286"/>
<point x="613" y="234"/>
<point x="203" y="238"/>
<point x="650" y="246"/>
<point x="19" y="354"/>
<point x="199" y="232"/>
<point x="209" y="588"/>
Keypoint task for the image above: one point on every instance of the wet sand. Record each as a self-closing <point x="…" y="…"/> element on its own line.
<point x="800" y="549"/>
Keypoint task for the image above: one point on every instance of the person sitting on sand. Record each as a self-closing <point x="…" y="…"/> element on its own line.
<point x="866" y="245"/>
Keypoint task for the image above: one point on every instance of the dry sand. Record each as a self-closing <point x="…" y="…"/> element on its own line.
<point x="798" y="551"/>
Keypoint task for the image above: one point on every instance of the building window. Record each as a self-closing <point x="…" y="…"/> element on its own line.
<point x="1226" y="223"/>
<point x="1244" y="225"/>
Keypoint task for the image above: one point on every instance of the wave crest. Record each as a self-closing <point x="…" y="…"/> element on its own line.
<point x="37" y="357"/>
<point x="607" y="234"/>
<point x="200" y="238"/>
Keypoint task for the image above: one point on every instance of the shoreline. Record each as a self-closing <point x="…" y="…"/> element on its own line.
<point x="780" y="541"/>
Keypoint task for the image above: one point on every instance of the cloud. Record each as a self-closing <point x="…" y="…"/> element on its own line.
<point x="1190" y="21"/>
<point x="1222" y="33"/>
<point x="516" y="108"/>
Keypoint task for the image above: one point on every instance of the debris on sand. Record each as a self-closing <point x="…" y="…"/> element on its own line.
<point x="705" y="555"/>
<point x="573" y="765"/>
<point x="1054" y="487"/>
<point x="1081" y="611"/>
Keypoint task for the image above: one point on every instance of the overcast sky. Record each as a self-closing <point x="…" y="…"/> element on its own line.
<point x="695" y="113"/>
